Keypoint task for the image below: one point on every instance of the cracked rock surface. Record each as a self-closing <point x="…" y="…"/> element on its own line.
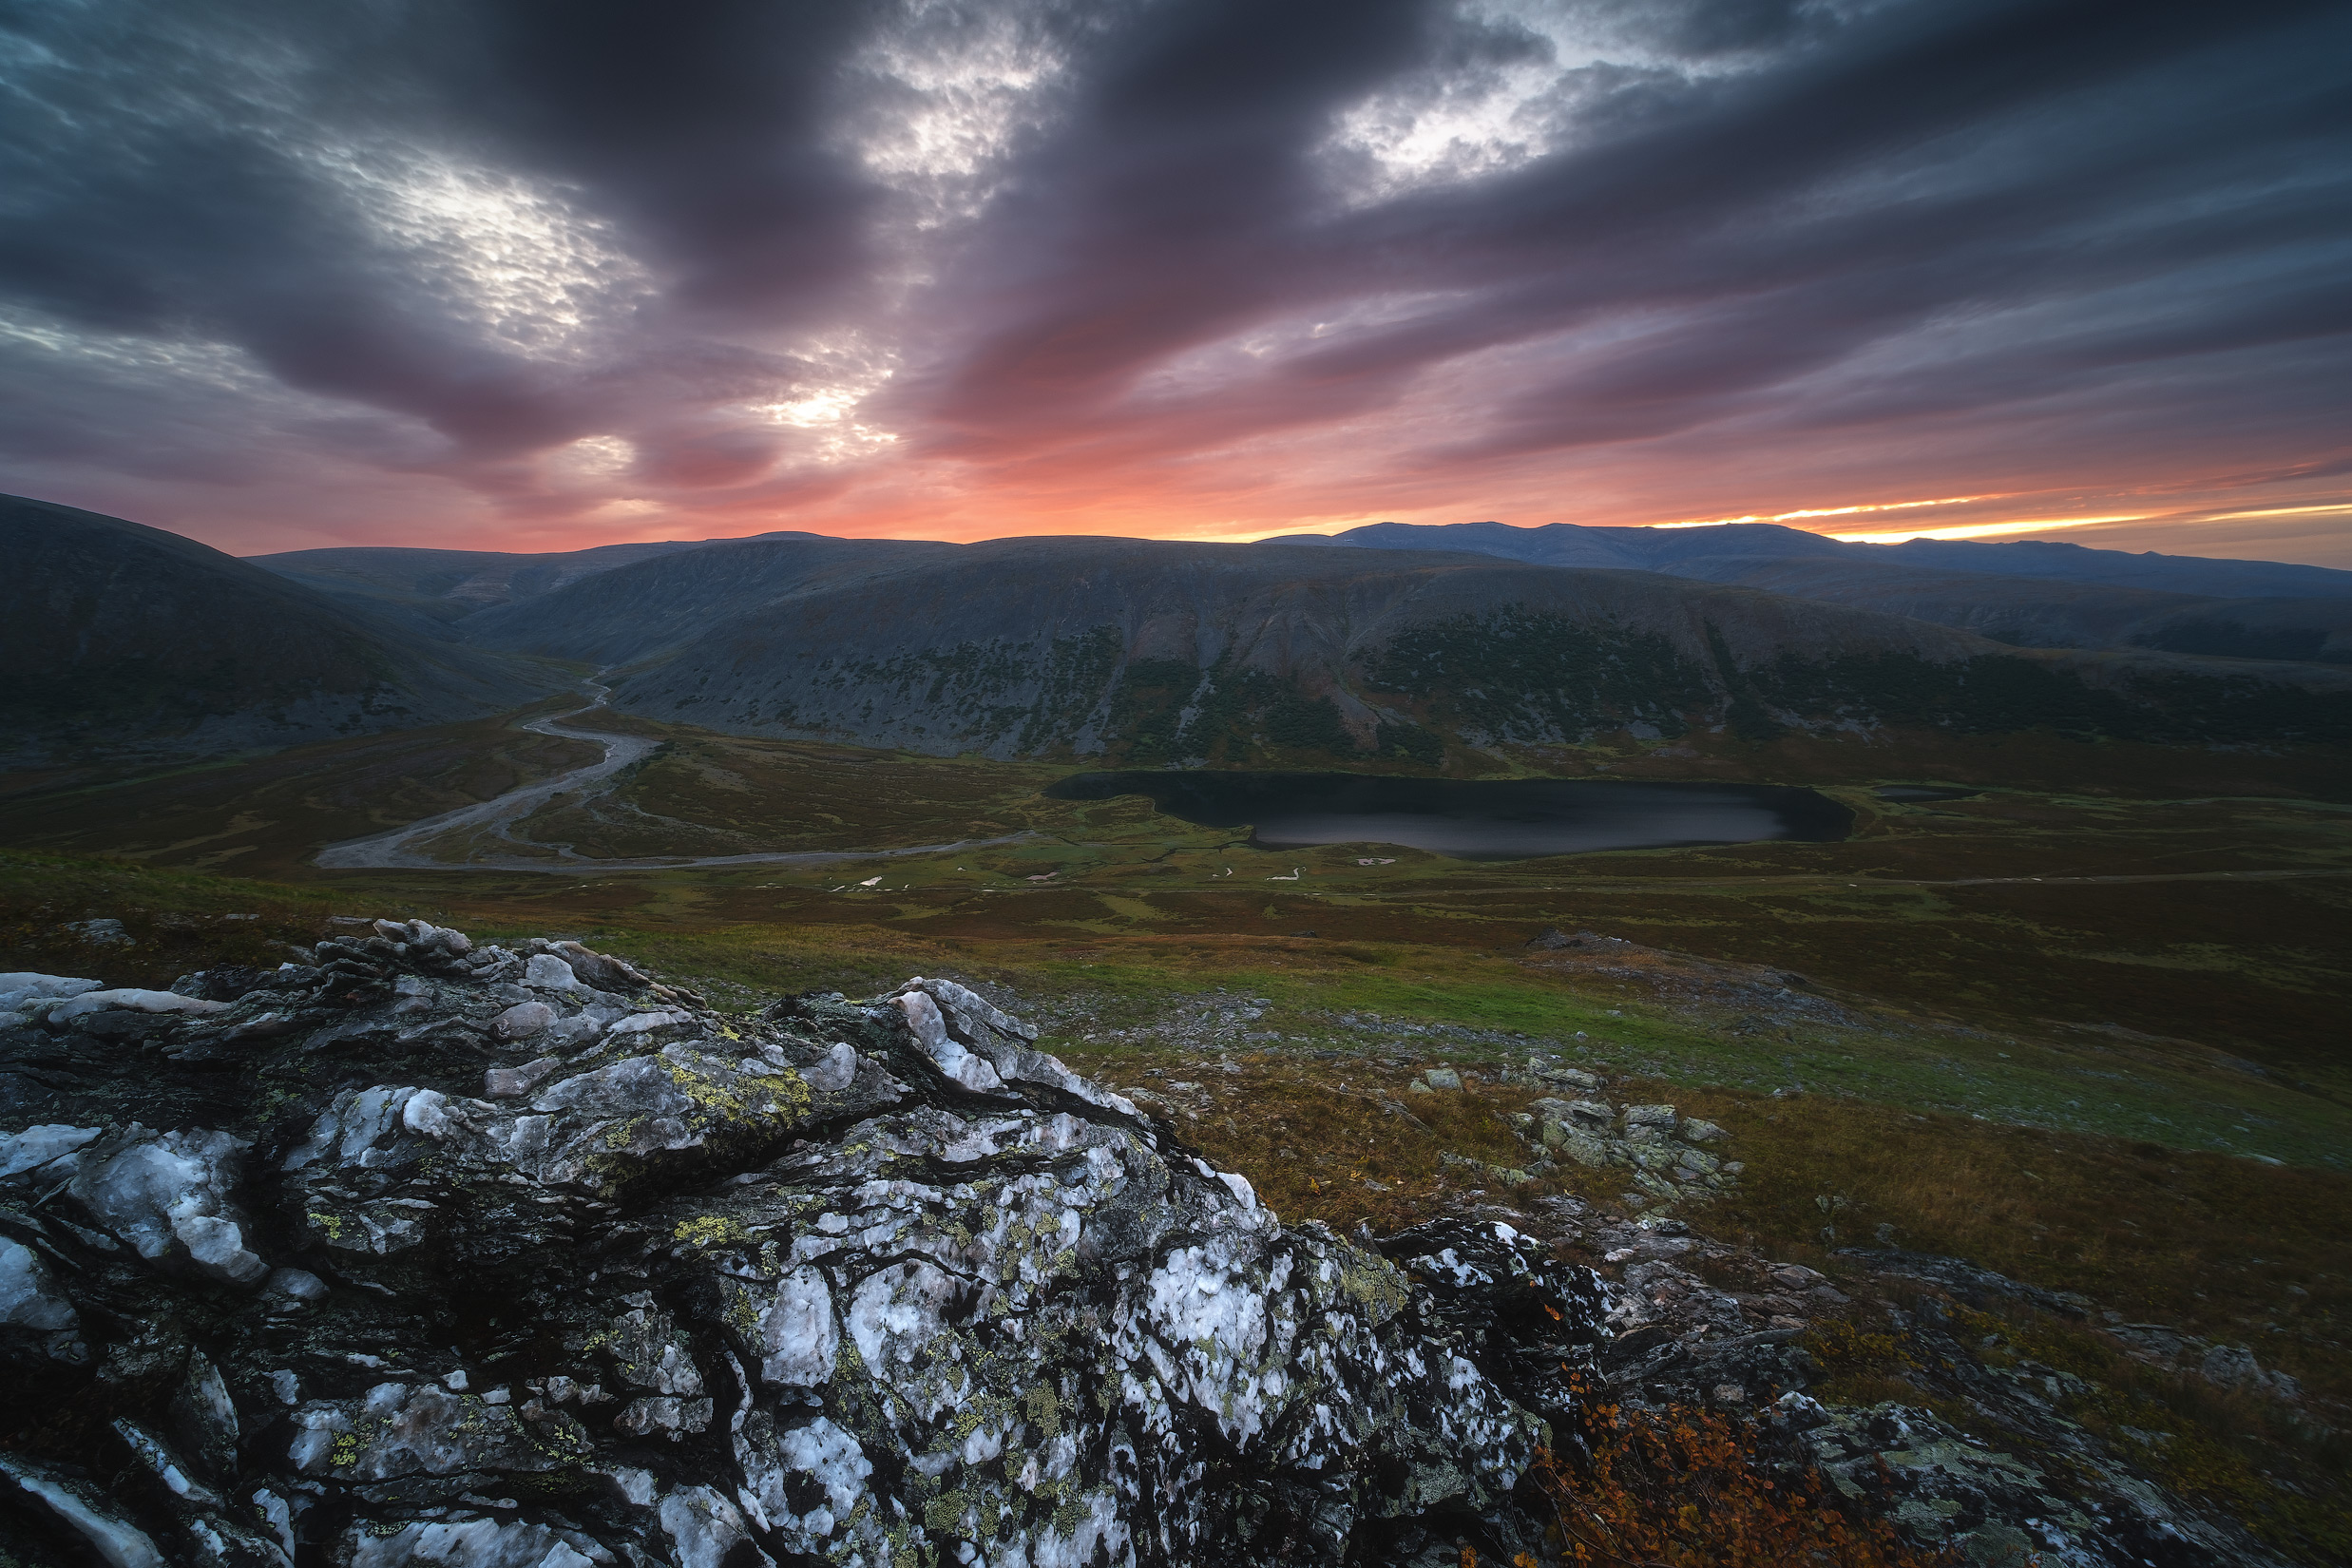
<point x="432" y="1252"/>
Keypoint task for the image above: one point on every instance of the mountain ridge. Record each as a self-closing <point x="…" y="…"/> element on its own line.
<point x="1561" y="543"/>
<point x="444" y="586"/>
<point x="2030" y="593"/>
<point x="1139" y="650"/>
<point x="129" y="642"/>
<point x="1157" y="650"/>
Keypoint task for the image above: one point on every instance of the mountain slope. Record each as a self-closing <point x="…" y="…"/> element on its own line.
<point x="2072" y="562"/>
<point x="123" y="640"/>
<point x="441" y="587"/>
<point x="2049" y="613"/>
<point x="2026" y="593"/>
<point x="631" y="613"/>
<point x="1153" y="651"/>
<point x="1668" y="549"/>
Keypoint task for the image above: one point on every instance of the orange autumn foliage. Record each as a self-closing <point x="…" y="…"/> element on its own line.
<point x="1686" y="1489"/>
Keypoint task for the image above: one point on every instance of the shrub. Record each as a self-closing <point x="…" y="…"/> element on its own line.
<point x="1688" y="1488"/>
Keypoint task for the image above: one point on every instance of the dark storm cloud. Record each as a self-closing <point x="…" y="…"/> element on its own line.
<point x="700" y="127"/>
<point x="1164" y="210"/>
<point x="561" y="253"/>
<point x="177" y="175"/>
<point x="1919" y="160"/>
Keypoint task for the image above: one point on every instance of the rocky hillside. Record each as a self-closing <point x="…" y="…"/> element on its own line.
<point x="2029" y="593"/>
<point x="124" y="640"/>
<point x="424" y="1250"/>
<point x="1160" y="652"/>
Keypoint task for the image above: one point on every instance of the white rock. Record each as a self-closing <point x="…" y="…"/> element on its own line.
<point x="836" y="1070"/>
<point x="21" y="987"/>
<point x="428" y="1111"/>
<point x="277" y="1514"/>
<point x="117" y="1542"/>
<point x="397" y="1430"/>
<point x="796" y="1332"/>
<point x="137" y="1001"/>
<point x="156" y="1191"/>
<point x="46" y="1152"/>
<point x="513" y="1082"/>
<point x="29" y="1294"/>
<point x="205" y="1402"/>
<point x="299" y="1283"/>
<point x="821" y="1451"/>
<point x="703" y="1527"/>
<point x="598" y="971"/>
<point x="522" y="1020"/>
<point x="638" y="1024"/>
<point x="469" y="1544"/>
<point x="547" y="972"/>
<point x="930" y="1033"/>
<point x="564" y="1033"/>
<point x="979" y="1009"/>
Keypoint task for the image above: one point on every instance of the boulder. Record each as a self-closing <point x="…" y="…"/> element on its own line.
<point x="441" y="1254"/>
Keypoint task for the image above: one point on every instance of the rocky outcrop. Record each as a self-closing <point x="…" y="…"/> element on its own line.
<point x="424" y="1251"/>
<point x="1998" y="1471"/>
<point x="1664" y="1154"/>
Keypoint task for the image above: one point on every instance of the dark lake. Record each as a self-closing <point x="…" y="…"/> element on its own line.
<point x="1470" y="819"/>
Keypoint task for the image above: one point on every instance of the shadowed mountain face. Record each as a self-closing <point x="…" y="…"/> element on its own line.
<point x="126" y="640"/>
<point x="2028" y="593"/>
<point x="439" y="587"/>
<point x="132" y="641"/>
<point x="1168" y="652"/>
<point x="626" y="615"/>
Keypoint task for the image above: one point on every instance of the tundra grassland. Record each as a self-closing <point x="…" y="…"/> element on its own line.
<point x="2089" y="1036"/>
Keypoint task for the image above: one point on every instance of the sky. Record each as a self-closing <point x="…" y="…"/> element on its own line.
<point x="537" y="275"/>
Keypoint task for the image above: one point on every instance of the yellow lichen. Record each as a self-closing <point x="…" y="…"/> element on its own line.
<point x="709" y="1230"/>
<point x="742" y="1311"/>
<point x="720" y="1102"/>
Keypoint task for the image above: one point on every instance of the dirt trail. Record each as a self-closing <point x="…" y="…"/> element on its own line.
<point x="403" y="849"/>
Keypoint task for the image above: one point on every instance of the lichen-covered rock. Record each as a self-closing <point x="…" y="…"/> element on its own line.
<point x="431" y="1252"/>
<point x="2022" y="1483"/>
<point x="1658" y="1149"/>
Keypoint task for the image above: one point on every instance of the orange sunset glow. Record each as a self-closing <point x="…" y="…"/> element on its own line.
<point x="960" y="273"/>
